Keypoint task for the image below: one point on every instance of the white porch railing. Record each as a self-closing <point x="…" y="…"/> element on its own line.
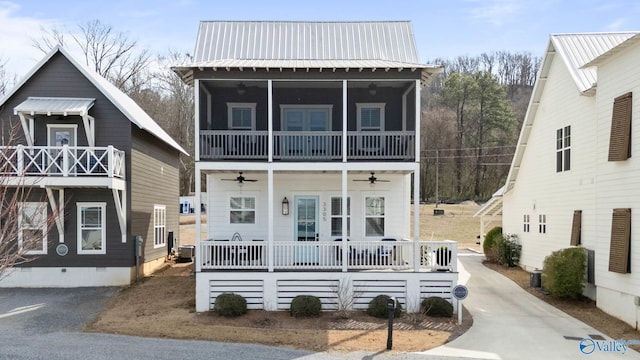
<point x="62" y="161"/>
<point x="303" y="256"/>
<point x="306" y="145"/>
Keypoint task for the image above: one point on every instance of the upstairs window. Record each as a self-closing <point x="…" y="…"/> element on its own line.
<point x="370" y="116"/>
<point x="620" y="140"/>
<point x="542" y="224"/>
<point x="563" y="149"/>
<point x="526" y="222"/>
<point x="241" y="116"/>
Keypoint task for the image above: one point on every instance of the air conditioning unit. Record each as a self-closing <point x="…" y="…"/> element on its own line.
<point x="186" y="252"/>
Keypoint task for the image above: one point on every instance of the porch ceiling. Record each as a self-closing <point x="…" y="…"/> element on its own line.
<point x="364" y="172"/>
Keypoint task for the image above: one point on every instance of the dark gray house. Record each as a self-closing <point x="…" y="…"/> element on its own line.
<point x="307" y="136"/>
<point x="92" y="155"/>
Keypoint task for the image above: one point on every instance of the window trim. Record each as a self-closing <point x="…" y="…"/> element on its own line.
<point x="255" y="209"/>
<point x="563" y="149"/>
<point x="331" y="216"/>
<point x="103" y="207"/>
<point x="62" y="126"/>
<point x="364" y="212"/>
<point x="620" y="241"/>
<point x="307" y="108"/>
<point x="526" y="223"/>
<point x="43" y="207"/>
<point x="162" y="209"/>
<point x="360" y="106"/>
<point x="542" y="223"/>
<point x="621" y="123"/>
<point x="234" y="105"/>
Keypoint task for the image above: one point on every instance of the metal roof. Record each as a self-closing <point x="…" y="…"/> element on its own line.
<point x="293" y="40"/>
<point x="124" y="103"/>
<point x="602" y="58"/>
<point x="579" y="49"/>
<point x="309" y="64"/>
<point x="54" y="106"/>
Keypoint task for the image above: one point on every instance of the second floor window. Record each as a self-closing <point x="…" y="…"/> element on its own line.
<point x="241" y="116"/>
<point x="563" y="149"/>
<point x="526" y="223"/>
<point x="370" y="116"/>
<point x="542" y="224"/>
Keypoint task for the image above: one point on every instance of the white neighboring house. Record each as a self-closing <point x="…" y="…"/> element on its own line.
<point x="302" y="127"/>
<point x="574" y="177"/>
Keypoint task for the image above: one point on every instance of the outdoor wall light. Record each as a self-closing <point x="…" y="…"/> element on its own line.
<point x="242" y="89"/>
<point x="285" y="206"/>
<point x="373" y="89"/>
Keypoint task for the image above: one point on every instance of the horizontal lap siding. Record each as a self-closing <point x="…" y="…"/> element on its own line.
<point x="326" y="290"/>
<point x="154" y="181"/>
<point x="439" y="288"/>
<point x="366" y="290"/>
<point x="251" y="290"/>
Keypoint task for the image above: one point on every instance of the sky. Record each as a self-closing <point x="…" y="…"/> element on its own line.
<point x="443" y="29"/>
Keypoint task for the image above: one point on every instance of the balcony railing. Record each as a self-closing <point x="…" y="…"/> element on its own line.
<point x="62" y="161"/>
<point x="311" y="256"/>
<point x="307" y="145"/>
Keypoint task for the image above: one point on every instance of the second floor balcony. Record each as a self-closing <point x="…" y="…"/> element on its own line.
<point x="306" y="146"/>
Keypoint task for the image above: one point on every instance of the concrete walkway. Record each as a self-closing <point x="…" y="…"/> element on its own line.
<point x="510" y="323"/>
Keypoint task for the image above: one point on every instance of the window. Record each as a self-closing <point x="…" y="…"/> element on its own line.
<point x="241" y="116"/>
<point x="374" y="216"/>
<point x="619" y="254"/>
<point x="620" y="140"/>
<point x="563" y="149"/>
<point x="370" y="116"/>
<point x="242" y="210"/>
<point x="336" y="216"/>
<point x="542" y="224"/>
<point x="91" y="228"/>
<point x="159" y="225"/>
<point x="576" y="228"/>
<point x="32" y="222"/>
<point x="526" y="223"/>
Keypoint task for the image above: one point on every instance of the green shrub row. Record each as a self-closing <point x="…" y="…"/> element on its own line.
<point x="564" y="271"/>
<point x="502" y="248"/>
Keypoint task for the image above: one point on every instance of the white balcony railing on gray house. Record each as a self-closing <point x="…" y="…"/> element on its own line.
<point x="307" y="145"/>
<point x="62" y="161"/>
<point x="322" y="256"/>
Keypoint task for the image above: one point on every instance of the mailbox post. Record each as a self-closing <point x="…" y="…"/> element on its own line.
<point x="391" y="307"/>
<point x="460" y="292"/>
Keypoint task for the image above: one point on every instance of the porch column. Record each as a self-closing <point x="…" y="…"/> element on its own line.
<point x="270" y="204"/>
<point x="198" y="212"/>
<point x="417" y="126"/>
<point x="344" y="122"/>
<point x="270" y="121"/>
<point x="345" y="234"/>
<point x="416" y="219"/>
<point x="196" y="143"/>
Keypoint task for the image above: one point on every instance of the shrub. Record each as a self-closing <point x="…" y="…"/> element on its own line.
<point x="305" y="306"/>
<point x="378" y="307"/>
<point x="564" y="271"/>
<point x="489" y="243"/>
<point x="437" y="307"/>
<point x="508" y="249"/>
<point x="230" y="305"/>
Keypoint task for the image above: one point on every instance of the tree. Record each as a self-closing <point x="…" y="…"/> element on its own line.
<point x="23" y="216"/>
<point x="6" y="80"/>
<point x="111" y="54"/>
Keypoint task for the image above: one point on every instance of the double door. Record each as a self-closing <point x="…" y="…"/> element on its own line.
<point x="307" y="132"/>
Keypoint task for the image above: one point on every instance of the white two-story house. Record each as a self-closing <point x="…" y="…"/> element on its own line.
<point x="308" y="140"/>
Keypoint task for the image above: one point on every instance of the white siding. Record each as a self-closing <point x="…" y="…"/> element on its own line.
<point x="305" y="184"/>
<point x="539" y="189"/>
<point x="617" y="185"/>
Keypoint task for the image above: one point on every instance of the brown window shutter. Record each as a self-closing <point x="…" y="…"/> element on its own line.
<point x="619" y="252"/>
<point x="576" y="228"/>
<point x="620" y="140"/>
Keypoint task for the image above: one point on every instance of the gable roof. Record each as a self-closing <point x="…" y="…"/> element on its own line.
<point x="306" y="44"/>
<point x="124" y="103"/>
<point x="575" y="50"/>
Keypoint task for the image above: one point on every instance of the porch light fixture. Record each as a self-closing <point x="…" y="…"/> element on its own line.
<point x="373" y="89"/>
<point x="242" y="89"/>
<point x="285" y="206"/>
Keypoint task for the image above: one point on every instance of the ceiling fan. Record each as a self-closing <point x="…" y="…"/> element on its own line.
<point x="372" y="179"/>
<point x="240" y="179"/>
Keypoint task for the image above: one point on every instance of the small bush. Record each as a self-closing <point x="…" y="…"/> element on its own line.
<point x="305" y="306"/>
<point x="378" y="307"/>
<point x="230" y="305"/>
<point x="489" y="243"/>
<point x="437" y="307"/>
<point x="564" y="271"/>
<point x="508" y="249"/>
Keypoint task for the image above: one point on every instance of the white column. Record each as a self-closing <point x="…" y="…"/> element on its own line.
<point x="196" y="144"/>
<point x="345" y="245"/>
<point x="270" y="204"/>
<point x="416" y="219"/>
<point x="344" y="121"/>
<point x="198" y="213"/>
<point x="270" y="119"/>
<point x="418" y="113"/>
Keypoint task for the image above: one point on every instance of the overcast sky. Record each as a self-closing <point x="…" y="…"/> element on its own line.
<point x="444" y="28"/>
